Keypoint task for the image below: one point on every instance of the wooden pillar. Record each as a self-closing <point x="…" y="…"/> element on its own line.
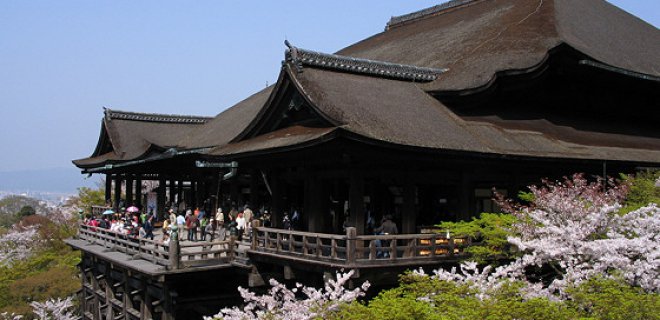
<point x="277" y="204"/>
<point x="179" y="192"/>
<point x="126" y="297"/>
<point x="316" y="208"/>
<point x="254" y="187"/>
<point x="84" y="305"/>
<point x="146" y="308"/>
<point x="108" y="188"/>
<point x="234" y="192"/>
<point x="129" y="190"/>
<point x="196" y="187"/>
<point x="171" y="193"/>
<point x="356" y="202"/>
<point x="117" y="191"/>
<point x="160" y="198"/>
<point x="465" y="197"/>
<point x="138" y="191"/>
<point x="409" y="216"/>
<point x="168" y="308"/>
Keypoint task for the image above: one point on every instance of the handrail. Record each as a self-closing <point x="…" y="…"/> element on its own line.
<point x="352" y="250"/>
<point x="348" y="250"/>
<point x="172" y="255"/>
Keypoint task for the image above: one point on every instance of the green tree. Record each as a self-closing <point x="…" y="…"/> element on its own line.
<point x="642" y="190"/>
<point x="26" y="211"/>
<point x="488" y="233"/>
<point x="88" y="197"/>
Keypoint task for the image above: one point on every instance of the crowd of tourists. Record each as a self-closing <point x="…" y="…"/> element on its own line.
<point x="198" y="225"/>
<point x="134" y="224"/>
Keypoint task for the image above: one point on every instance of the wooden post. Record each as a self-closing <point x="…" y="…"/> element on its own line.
<point x="255" y="227"/>
<point x="108" y="188"/>
<point x="129" y="190"/>
<point x="171" y="193"/>
<point x="234" y="192"/>
<point x="83" y="292"/>
<point x="277" y="205"/>
<point x="174" y="249"/>
<point x="254" y="187"/>
<point x="138" y="191"/>
<point x="168" y="308"/>
<point x="146" y="301"/>
<point x="356" y="202"/>
<point x="409" y="218"/>
<point x="160" y="199"/>
<point x="351" y="245"/>
<point x="465" y="196"/>
<point x="117" y="191"/>
<point x="179" y="192"/>
<point x="314" y="203"/>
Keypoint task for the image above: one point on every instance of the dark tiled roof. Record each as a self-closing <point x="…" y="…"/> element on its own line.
<point x="425" y="13"/>
<point x="401" y="113"/>
<point x="154" y="117"/>
<point x="478" y="39"/>
<point x="286" y="137"/>
<point x="134" y="135"/>
<point x="301" y="57"/>
<point x="226" y="125"/>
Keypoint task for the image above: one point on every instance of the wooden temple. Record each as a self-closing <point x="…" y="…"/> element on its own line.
<point x="421" y="122"/>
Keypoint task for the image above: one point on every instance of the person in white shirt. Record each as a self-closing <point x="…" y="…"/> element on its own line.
<point x="240" y="225"/>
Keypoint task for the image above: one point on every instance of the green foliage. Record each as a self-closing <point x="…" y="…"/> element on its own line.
<point x="11" y="206"/>
<point x="488" y="232"/>
<point x="526" y="196"/>
<point x="26" y="211"/>
<point x="642" y="190"/>
<point x="610" y="299"/>
<point x="423" y="298"/>
<point x="88" y="197"/>
<point x="428" y="299"/>
<point x="50" y="272"/>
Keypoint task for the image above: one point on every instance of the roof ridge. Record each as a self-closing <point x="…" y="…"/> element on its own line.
<point x="396" y="21"/>
<point x="154" y="117"/>
<point x="301" y="57"/>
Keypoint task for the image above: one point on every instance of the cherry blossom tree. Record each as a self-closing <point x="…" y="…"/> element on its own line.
<point x="54" y="309"/>
<point x="283" y="303"/>
<point x="17" y="244"/>
<point x="51" y="309"/>
<point x="575" y="228"/>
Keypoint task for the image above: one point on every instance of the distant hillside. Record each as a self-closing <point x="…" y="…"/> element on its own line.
<point x="63" y="180"/>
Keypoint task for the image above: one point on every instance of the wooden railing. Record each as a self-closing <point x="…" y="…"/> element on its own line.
<point x="306" y="245"/>
<point x="352" y="250"/>
<point x="349" y="250"/>
<point x="172" y="255"/>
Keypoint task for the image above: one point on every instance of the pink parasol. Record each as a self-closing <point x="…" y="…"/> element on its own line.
<point x="132" y="209"/>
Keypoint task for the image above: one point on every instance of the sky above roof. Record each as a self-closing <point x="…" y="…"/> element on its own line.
<point x="62" y="61"/>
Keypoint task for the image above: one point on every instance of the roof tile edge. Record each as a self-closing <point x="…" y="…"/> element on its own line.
<point x="154" y="117"/>
<point x="301" y="57"/>
<point x="413" y="16"/>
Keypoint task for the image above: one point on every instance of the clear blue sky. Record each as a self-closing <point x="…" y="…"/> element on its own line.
<point x="62" y="61"/>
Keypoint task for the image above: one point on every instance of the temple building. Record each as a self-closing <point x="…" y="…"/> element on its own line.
<point x="421" y="121"/>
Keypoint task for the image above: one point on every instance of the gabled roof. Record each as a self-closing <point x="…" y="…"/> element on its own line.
<point x="476" y="39"/>
<point x="228" y="124"/>
<point x="132" y="135"/>
<point x="401" y="113"/>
